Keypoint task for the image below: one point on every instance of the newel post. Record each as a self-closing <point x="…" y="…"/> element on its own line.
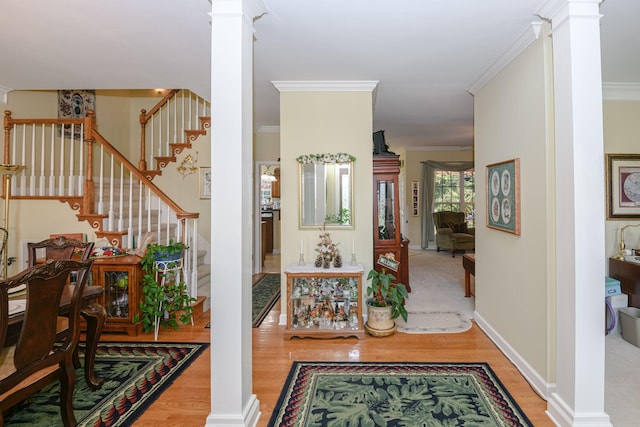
<point x="7" y="139"/>
<point x="7" y="135"/>
<point x="88" y="195"/>
<point x="142" y="163"/>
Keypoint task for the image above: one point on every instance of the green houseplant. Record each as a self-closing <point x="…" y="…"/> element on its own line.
<point x="385" y="302"/>
<point x="165" y="300"/>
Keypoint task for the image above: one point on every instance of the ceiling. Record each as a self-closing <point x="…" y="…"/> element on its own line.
<point x="425" y="54"/>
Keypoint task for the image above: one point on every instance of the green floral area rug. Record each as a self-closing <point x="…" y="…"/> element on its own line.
<point x="265" y="293"/>
<point x="135" y="375"/>
<point x="395" y="394"/>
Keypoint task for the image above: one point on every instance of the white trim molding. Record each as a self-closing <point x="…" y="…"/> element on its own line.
<point x="621" y="91"/>
<point x="269" y="129"/>
<point x="543" y="388"/>
<point x="528" y="36"/>
<point x="440" y="148"/>
<point x="4" y="91"/>
<point x="326" y="86"/>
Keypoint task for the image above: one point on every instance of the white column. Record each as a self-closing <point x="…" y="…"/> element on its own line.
<point x="232" y="401"/>
<point x="579" y="396"/>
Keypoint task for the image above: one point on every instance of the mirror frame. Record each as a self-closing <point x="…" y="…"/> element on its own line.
<point x="324" y="159"/>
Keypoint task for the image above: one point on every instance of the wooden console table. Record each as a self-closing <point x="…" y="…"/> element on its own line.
<point x="628" y="273"/>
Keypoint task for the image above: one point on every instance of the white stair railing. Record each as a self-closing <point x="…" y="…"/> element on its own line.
<point x="68" y="160"/>
<point x="171" y="126"/>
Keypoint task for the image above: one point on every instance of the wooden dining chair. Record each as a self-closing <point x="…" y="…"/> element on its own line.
<point x="59" y="247"/>
<point x="42" y="353"/>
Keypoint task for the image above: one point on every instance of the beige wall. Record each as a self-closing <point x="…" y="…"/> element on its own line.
<point x="326" y="122"/>
<point x="413" y="172"/>
<point x="117" y="113"/>
<point x="514" y="274"/>
<point x="621" y="130"/>
<point x="266" y="146"/>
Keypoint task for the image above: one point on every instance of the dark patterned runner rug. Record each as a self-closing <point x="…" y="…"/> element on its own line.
<point x="395" y="394"/>
<point x="135" y="375"/>
<point x="265" y="293"/>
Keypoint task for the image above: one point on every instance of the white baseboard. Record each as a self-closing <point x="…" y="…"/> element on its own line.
<point x="538" y="384"/>
<point x="562" y="415"/>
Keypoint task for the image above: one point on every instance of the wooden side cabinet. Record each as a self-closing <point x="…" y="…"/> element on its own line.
<point x="628" y="273"/>
<point x="120" y="277"/>
<point x="324" y="302"/>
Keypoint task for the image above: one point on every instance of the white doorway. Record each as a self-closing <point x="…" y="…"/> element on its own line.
<point x="266" y="210"/>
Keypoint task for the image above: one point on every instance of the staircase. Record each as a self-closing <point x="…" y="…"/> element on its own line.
<point x="70" y="161"/>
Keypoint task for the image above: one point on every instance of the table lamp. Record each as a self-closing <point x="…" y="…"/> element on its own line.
<point x="622" y="245"/>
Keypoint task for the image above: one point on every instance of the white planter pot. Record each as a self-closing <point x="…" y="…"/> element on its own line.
<point x="379" y="321"/>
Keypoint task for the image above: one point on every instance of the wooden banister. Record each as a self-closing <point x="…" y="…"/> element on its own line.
<point x="180" y="213"/>
<point x="144" y="118"/>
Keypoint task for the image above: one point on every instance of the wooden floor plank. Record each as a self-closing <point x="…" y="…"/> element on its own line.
<point x="187" y="401"/>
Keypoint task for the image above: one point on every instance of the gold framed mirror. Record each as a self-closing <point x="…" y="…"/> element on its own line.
<point x="325" y="183"/>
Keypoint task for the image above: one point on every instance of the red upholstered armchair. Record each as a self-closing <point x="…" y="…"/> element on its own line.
<point x="452" y="232"/>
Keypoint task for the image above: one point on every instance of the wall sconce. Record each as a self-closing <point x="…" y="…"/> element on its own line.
<point x="622" y="245"/>
<point x="188" y="165"/>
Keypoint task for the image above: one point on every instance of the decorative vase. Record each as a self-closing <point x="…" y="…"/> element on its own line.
<point x="318" y="262"/>
<point x="326" y="263"/>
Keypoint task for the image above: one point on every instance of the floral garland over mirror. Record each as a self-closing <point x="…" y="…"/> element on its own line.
<point x="325" y="158"/>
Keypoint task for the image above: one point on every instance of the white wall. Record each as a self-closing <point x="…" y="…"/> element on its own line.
<point x="514" y="273"/>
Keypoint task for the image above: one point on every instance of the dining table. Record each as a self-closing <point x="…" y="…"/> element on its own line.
<point x="92" y="312"/>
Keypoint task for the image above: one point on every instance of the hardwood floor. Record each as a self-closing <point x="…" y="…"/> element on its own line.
<point x="186" y="402"/>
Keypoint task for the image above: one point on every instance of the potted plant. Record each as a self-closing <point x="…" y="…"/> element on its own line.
<point x="385" y="302"/>
<point x="165" y="300"/>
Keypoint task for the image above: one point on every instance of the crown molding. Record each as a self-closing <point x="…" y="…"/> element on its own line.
<point x="528" y="36"/>
<point x="621" y="91"/>
<point x="268" y="129"/>
<point x="326" y="86"/>
<point x="3" y="94"/>
<point x="551" y="8"/>
<point x="439" y="148"/>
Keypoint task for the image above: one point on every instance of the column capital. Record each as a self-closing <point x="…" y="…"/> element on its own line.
<point x="559" y="10"/>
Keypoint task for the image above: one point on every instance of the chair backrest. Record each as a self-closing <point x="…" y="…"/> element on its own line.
<point x="443" y="218"/>
<point x="58" y="248"/>
<point x="45" y="287"/>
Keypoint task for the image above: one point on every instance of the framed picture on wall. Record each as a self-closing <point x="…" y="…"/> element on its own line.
<point x="205" y="182"/>
<point x="503" y="196"/>
<point x="75" y="104"/>
<point x="415" y="198"/>
<point x="623" y="186"/>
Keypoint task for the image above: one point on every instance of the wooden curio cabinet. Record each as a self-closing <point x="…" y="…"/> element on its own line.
<point x="387" y="240"/>
<point x="324" y="302"/>
<point x="120" y="277"/>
